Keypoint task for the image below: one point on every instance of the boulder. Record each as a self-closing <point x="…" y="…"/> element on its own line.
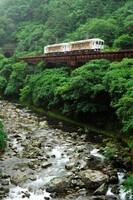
<point x="58" y="185"/>
<point x="43" y="124"/>
<point x="101" y="190"/>
<point x="69" y="165"/>
<point x="46" y="165"/>
<point x="18" y="179"/>
<point x="93" y="178"/>
<point x="94" y="162"/>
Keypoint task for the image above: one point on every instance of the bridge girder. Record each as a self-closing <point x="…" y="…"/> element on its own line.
<point x="73" y="60"/>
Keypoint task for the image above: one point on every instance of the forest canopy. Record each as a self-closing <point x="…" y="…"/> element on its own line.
<point x="33" y="24"/>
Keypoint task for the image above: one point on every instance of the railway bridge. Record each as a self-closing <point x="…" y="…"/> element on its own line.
<point x="77" y="59"/>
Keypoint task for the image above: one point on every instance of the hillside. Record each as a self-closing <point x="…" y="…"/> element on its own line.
<point x="33" y="24"/>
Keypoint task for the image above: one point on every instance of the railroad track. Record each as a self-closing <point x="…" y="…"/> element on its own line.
<point x="74" y="60"/>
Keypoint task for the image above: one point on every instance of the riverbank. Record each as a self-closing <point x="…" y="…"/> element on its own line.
<point x="85" y="127"/>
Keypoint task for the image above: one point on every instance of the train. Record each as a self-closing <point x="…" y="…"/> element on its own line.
<point x="85" y="46"/>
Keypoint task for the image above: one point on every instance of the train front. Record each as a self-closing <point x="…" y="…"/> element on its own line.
<point x="97" y="44"/>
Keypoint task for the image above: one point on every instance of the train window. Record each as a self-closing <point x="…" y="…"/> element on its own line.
<point x="96" y="42"/>
<point x="102" y="43"/>
<point x="75" y="45"/>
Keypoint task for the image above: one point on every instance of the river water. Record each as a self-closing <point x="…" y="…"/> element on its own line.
<point x="36" y="153"/>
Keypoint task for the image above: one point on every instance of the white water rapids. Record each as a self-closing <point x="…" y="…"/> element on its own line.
<point x="122" y="194"/>
<point x="18" y="193"/>
<point x="32" y="189"/>
<point x="33" y="145"/>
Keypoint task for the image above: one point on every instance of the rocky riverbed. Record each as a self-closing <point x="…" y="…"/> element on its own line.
<point x="42" y="163"/>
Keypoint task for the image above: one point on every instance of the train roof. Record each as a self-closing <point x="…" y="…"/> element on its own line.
<point x="87" y="40"/>
<point x="60" y="44"/>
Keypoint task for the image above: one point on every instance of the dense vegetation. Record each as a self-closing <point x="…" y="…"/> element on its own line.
<point x="30" y="25"/>
<point x="3" y="136"/>
<point x="99" y="91"/>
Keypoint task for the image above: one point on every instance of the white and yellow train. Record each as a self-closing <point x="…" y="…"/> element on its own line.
<point x="88" y="45"/>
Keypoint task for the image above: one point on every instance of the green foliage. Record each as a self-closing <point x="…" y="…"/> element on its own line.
<point x="128" y="25"/>
<point x="13" y="75"/>
<point x="84" y="93"/>
<point x="41" y="88"/>
<point x="109" y="153"/>
<point x="1" y="56"/>
<point x="130" y="144"/>
<point x="5" y="72"/>
<point x="128" y="185"/>
<point x="97" y="28"/>
<point x="119" y="83"/>
<point x="124" y="42"/>
<point x="125" y="112"/>
<point x="6" y="28"/>
<point x="98" y="91"/>
<point x="39" y="67"/>
<point x="16" y="79"/>
<point x="6" y="66"/>
<point x="33" y="24"/>
<point x="30" y="37"/>
<point x="3" y="136"/>
<point x="2" y="82"/>
<point x="97" y="88"/>
<point x="123" y="12"/>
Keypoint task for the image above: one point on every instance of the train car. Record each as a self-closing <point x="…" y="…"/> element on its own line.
<point x="94" y="44"/>
<point x="89" y="45"/>
<point x="56" y="48"/>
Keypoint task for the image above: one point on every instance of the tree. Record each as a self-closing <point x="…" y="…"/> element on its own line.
<point x="84" y="92"/>
<point x="3" y="83"/>
<point x="30" y="37"/>
<point x="124" y="42"/>
<point x="6" y="30"/>
<point x="98" y="28"/>
<point x="32" y="24"/>
<point x="128" y="24"/>
<point x="118" y="82"/>
<point x="40" y="89"/>
<point x="125" y="108"/>
<point x="16" y="79"/>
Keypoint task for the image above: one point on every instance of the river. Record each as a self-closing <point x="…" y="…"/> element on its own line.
<point x="43" y="162"/>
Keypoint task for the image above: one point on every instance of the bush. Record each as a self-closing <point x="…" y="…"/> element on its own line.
<point x="3" y="135"/>
<point x="40" y="89"/>
<point x="119" y="83"/>
<point x="109" y="152"/>
<point x="124" y="42"/>
<point x="128" y="185"/>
